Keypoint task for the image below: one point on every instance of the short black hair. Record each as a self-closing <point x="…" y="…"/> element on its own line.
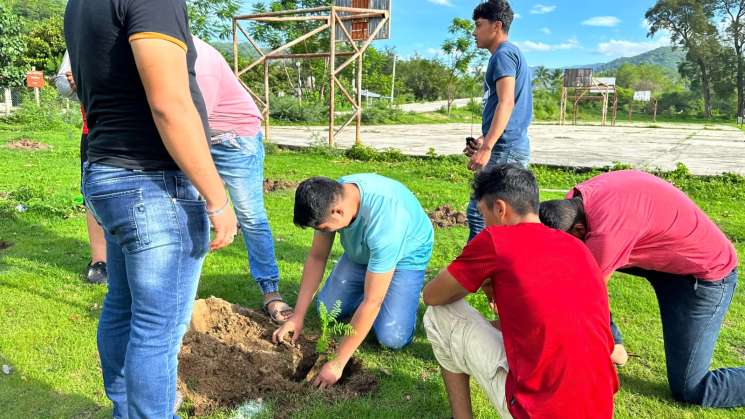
<point x="495" y="10"/>
<point x="562" y="214"/>
<point x="313" y="200"/>
<point x="510" y="183"/>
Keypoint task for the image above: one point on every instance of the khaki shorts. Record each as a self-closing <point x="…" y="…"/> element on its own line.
<point x="465" y="342"/>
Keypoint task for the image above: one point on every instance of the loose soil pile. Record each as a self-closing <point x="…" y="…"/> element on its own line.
<point x="447" y="216"/>
<point x="228" y="358"/>
<point x="278" y="185"/>
<point x="26" y="144"/>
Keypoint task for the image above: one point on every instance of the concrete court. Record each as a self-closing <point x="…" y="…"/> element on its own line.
<point x="704" y="149"/>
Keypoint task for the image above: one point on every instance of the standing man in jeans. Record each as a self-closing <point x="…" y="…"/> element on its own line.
<point x="641" y="225"/>
<point x="237" y="147"/>
<point x="508" y="99"/>
<point x="152" y="185"/>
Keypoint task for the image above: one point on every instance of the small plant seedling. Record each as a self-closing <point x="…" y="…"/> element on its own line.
<point x="331" y="327"/>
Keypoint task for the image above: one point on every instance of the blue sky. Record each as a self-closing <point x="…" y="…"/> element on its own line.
<point x="550" y="33"/>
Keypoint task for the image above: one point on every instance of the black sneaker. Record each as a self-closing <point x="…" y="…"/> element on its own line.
<point x="96" y="273"/>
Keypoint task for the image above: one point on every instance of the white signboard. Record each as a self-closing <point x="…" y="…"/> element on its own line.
<point x="643" y="96"/>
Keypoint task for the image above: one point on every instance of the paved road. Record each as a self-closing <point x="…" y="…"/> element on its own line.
<point x="705" y="150"/>
<point x="435" y="106"/>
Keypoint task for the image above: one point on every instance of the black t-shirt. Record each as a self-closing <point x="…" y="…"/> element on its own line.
<point x="98" y="33"/>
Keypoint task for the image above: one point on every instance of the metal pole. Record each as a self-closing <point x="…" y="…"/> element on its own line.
<point x="332" y="74"/>
<point x="358" y="136"/>
<point x="393" y="78"/>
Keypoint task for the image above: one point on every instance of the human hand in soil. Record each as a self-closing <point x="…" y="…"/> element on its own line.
<point x="290" y="326"/>
<point x="330" y="373"/>
<point x="473" y="146"/>
<point x="479" y="159"/>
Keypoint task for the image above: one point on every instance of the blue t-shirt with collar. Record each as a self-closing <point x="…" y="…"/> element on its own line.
<point x="508" y="61"/>
<point x="391" y="230"/>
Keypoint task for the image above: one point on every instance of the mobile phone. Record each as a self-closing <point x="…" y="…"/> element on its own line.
<point x="470" y="141"/>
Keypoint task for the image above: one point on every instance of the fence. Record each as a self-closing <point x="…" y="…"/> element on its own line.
<point x="10" y="98"/>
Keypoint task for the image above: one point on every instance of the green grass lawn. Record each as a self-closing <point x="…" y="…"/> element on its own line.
<point x="48" y="315"/>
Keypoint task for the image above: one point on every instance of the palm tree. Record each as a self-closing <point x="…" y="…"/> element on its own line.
<point x="541" y="77"/>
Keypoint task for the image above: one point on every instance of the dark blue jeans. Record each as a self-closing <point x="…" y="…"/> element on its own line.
<point x="157" y="235"/>
<point x="692" y="312"/>
<point x="498" y="156"/>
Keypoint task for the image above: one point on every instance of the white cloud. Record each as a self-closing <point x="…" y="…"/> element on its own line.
<point x="433" y="51"/>
<point x="531" y="46"/>
<point x="605" y="21"/>
<point x="516" y="16"/>
<point x="442" y="2"/>
<point x="542" y="9"/>
<point x="547" y="31"/>
<point x="622" y="48"/>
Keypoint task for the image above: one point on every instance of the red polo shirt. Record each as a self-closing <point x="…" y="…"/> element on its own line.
<point x="553" y="306"/>
<point x="635" y="219"/>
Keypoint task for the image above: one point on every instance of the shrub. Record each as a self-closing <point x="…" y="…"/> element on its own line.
<point x="50" y="113"/>
<point x="287" y="108"/>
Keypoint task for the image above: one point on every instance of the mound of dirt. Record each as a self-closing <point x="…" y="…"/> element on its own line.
<point x="5" y="244"/>
<point x="447" y="216"/>
<point x="278" y="185"/>
<point x="26" y="144"/>
<point x="228" y="358"/>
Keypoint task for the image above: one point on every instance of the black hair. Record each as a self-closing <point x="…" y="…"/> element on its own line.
<point x="510" y="183"/>
<point x="495" y="10"/>
<point x="563" y="214"/>
<point x="313" y="200"/>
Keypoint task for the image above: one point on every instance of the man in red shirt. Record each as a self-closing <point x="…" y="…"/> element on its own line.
<point x="548" y="355"/>
<point x="639" y="224"/>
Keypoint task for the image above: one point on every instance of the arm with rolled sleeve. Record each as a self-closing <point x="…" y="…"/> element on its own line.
<point x="61" y="82"/>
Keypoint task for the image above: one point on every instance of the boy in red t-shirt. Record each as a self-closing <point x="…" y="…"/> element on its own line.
<point x="548" y="355"/>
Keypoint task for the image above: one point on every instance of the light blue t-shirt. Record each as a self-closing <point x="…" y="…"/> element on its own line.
<point x="508" y="61"/>
<point x="391" y="230"/>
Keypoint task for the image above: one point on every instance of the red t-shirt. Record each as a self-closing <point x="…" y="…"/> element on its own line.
<point x="638" y="220"/>
<point x="85" y="120"/>
<point x="553" y="306"/>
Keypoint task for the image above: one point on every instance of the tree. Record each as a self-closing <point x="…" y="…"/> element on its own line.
<point x="12" y="49"/>
<point x="460" y="51"/>
<point x="734" y="17"/>
<point x="645" y="77"/>
<point x="690" y="27"/>
<point x="212" y="18"/>
<point x="45" y="45"/>
<point x="541" y="77"/>
<point x="37" y="10"/>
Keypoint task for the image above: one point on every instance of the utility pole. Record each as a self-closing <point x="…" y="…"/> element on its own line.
<point x="393" y="78"/>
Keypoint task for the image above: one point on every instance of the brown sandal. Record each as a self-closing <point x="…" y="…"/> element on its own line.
<point x="285" y="311"/>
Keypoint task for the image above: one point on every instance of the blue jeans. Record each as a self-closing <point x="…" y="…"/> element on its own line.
<point x="157" y="235"/>
<point x="692" y="312"/>
<point x="240" y="163"/>
<point x="394" y="327"/>
<point x="475" y="220"/>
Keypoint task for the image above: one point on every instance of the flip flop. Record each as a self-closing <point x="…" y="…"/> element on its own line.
<point x="284" y="310"/>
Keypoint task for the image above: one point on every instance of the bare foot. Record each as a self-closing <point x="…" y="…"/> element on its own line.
<point x="619" y="355"/>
